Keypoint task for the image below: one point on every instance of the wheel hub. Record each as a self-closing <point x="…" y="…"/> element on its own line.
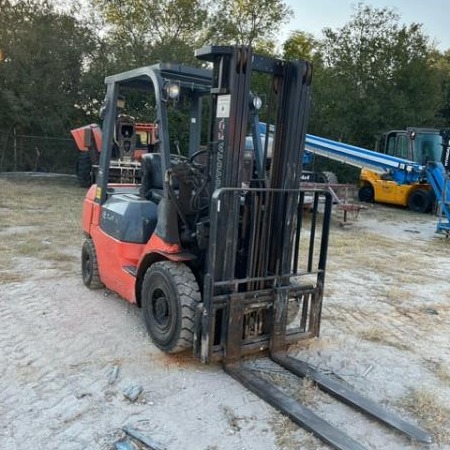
<point x="160" y="308"/>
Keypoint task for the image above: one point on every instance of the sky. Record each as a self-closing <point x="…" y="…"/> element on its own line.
<point x="313" y="16"/>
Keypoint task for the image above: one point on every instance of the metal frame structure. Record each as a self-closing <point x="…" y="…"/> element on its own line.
<point x="153" y="79"/>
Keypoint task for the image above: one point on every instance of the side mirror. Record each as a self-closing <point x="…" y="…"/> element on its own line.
<point x="102" y="110"/>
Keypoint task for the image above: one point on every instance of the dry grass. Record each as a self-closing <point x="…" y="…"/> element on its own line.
<point x="285" y="431"/>
<point x="8" y="277"/>
<point x="289" y="436"/>
<point x="307" y="395"/>
<point x="441" y="371"/>
<point x="396" y="295"/>
<point x="40" y="219"/>
<point x="381" y="336"/>
<point x="432" y="414"/>
<point x="356" y="248"/>
<point x="347" y="243"/>
<point x="374" y="335"/>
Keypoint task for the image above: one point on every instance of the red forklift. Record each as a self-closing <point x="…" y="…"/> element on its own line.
<point x="214" y="244"/>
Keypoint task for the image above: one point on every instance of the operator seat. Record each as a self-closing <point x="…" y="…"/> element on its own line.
<point x="152" y="177"/>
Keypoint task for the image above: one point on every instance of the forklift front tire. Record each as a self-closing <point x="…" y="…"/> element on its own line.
<point x="170" y="296"/>
<point x="89" y="266"/>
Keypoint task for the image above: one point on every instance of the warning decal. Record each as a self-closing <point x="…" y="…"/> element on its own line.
<point x="223" y="105"/>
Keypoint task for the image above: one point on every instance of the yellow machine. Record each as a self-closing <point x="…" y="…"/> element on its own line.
<point x="406" y="186"/>
<point x="375" y="187"/>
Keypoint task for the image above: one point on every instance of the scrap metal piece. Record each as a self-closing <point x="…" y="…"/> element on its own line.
<point x="149" y="442"/>
<point x="113" y="374"/>
<point x="124" y="445"/>
<point x="132" y="392"/>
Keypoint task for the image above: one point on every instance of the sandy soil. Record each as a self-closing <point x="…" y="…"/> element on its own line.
<point x="69" y="355"/>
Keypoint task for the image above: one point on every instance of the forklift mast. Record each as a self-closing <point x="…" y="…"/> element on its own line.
<point x="255" y="225"/>
<point x="231" y="100"/>
<point x="265" y="264"/>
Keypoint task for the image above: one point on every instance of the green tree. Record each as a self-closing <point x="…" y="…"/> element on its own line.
<point x="144" y="32"/>
<point x="43" y="59"/>
<point x="371" y="75"/>
<point x="300" y="45"/>
<point x="246" y="21"/>
<point x="441" y="63"/>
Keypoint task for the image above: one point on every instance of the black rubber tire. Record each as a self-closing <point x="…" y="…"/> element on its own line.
<point x="366" y="194"/>
<point x="84" y="169"/>
<point x="420" y="200"/>
<point x="170" y="295"/>
<point x="89" y="265"/>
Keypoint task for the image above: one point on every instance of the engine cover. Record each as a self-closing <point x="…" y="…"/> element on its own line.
<point x="129" y="218"/>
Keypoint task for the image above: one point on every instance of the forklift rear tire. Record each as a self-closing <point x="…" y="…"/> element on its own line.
<point x="420" y="201"/>
<point x="366" y="194"/>
<point x="89" y="266"/>
<point x="170" y="296"/>
<point x="84" y="169"/>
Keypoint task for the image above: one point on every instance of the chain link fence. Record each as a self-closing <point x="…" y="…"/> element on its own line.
<point x="36" y="153"/>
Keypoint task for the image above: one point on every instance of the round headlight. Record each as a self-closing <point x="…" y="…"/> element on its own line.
<point x="257" y="102"/>
<point x="120" y="102"/>
<point x="173" y="90"/>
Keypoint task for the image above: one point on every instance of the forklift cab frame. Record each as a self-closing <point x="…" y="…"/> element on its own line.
<point x="163" y="80"/>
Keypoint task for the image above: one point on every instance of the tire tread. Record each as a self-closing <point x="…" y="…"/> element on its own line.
<point x="95" y="281"/>
<point x="189" y="296"/>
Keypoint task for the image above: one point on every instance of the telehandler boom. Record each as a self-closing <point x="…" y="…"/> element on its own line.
<point x="416" y="177"/>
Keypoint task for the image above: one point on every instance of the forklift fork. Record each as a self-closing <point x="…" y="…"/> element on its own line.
<point x="258" y="292"/>
<point x="306" y="418"/>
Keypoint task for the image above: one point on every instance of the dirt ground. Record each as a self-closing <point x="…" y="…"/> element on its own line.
<point x="70" y="356"/>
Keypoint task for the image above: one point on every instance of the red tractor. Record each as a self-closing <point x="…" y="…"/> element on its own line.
<point x="131" y="141"/>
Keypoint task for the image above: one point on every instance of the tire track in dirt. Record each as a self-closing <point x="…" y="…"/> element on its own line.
<point x="60" y="341"/>
<point x="42" y="343"/>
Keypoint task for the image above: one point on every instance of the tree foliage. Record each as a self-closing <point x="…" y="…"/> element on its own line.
<point x="300" y="45"/>
<point x="246" y="21"/>
<point x="43" y="60"/>
<point x="374" y="74"/>
<point x="156" y="30"/>
<point x="441" y="66"/>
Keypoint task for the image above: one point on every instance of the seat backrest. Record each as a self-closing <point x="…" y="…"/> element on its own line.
<point x="152" y="176"/>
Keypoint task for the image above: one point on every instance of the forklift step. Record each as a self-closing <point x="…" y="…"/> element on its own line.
<point x="132" y="270"/>
<point x="306" y="418"/>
